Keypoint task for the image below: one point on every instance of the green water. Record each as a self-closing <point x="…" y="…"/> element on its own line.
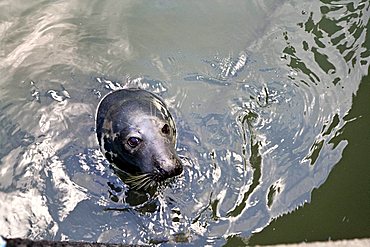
<point x="340" y="208"/>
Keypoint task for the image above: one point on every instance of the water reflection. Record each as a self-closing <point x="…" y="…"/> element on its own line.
<point x="259" y="103"/>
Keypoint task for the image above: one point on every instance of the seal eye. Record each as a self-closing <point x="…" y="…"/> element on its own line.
<point x="166" y="129"/>
<point x="133" y="142"/>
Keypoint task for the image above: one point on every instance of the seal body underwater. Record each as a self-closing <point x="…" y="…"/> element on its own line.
<point x="137" y="134"/>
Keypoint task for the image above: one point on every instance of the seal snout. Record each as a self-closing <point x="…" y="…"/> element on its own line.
<point x="177" y="170"/>
<point x="170" y="168"/>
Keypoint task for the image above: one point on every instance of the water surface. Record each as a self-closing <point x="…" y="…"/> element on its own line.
<point x="260" y="93"/>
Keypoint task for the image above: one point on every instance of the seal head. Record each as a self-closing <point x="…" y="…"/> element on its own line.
<point x="137" y="134"/>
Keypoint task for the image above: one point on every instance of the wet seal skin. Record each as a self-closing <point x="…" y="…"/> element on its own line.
<point x="137" y="135"/>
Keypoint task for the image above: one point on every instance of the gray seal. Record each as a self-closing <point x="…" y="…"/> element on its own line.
<point x="137" y="134"/>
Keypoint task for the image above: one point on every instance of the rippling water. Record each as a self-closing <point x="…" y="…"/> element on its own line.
<point x="259" y="92"/>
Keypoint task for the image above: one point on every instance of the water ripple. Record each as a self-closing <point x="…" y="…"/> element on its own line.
<point x="260" y="93"/>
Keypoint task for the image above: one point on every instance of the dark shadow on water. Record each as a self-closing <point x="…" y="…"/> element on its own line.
<point x="340" y="208"/>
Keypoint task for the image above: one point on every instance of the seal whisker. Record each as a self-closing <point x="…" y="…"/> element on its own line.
<point x="152" y="183"/>
<point x="140" y="181"/>
<point x="148" y="183"/>
<point x="144" y="183"/>
<point x="133" y="178"/>
<point x="136" y="185"/>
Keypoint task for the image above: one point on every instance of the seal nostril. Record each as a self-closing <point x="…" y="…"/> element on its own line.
<point x="166" y="129"/>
